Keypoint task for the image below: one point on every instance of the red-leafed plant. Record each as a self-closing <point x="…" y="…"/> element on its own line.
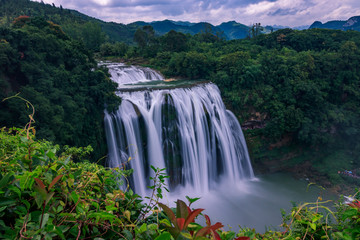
<point x="183" y="222"/>
<point x="354" y="204"/>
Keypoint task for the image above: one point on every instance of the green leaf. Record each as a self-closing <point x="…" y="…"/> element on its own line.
<point x="95" y="204"/>
<point x="127" y="234"/>
<point x="186" y="235"/>
<point x="316" y="218"/>
<point x="45" y="220"/>
<point x="3" y="208"/>
<point x="24" y="180"/>
<point x="24" y="139"/>
<point x="75" y="197"/>
<point x="21" y="210"/>
<point x="5" y="180"/>
<point x="51" y="154"/>
<point x="59" y="232"/>
<point x="26" y="203"/>
<point x="165" y="222"/>
<point x="143" y="228"/>
<point x="349" y="213"/>
<point x="7" y="202"/>
<point x="48" y="197"/>
<point x="191" y="200"/>
<point x="16" y="190"/>
<point x="313" y="226"/>
<point x="164" y="236"/>
<point x="40" y="195"/>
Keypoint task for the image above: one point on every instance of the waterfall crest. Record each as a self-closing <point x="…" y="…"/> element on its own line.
<point x="188" y="131"/>
<point x="127" y="74"/>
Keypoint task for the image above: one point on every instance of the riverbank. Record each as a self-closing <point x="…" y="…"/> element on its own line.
<point x="311" y="165"/>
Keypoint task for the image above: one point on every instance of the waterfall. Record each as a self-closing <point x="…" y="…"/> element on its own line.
<point x="188" y="131"/>
<point x="127" y="74"/>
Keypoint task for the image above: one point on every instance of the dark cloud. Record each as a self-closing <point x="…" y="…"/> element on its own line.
<point x="293" y="12"/>
<point x="135" y="3"/>
<point x="283" y="12"/>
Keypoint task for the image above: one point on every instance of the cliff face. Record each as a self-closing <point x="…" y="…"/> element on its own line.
<point x="352" y="23"/>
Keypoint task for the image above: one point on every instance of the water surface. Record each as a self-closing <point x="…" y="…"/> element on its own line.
<point x="254" y="203"/>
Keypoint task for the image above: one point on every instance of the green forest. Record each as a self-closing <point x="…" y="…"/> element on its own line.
<point x="296" y="94"/>
<point x="59" y="76"/>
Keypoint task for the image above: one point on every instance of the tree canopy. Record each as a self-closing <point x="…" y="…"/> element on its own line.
<point x="60" y="78"/>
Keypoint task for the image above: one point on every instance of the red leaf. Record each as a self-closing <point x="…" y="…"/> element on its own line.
<point x="202" y="232"/>
<point x="169" y="213"/>
<point x="180" y="222"/>
<point x="40" y="183"/>
<point x="216" y="226"/>
<point x="208" y="221"/>
<point x="210" y="229"/>
<point x="216" y="235"/>
<point x="242" y="238"/>
<point x="181" y="209"/>
<point x="189" y="210"/>
<point x="54" y="181"/>
<point x="192" y="216"/>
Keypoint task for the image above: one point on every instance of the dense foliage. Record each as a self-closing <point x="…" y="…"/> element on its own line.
<point x="60" y="78"/>
<point x="45" y="195"/>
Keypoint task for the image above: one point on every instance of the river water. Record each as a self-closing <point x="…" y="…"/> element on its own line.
<point x="254" y="203"/>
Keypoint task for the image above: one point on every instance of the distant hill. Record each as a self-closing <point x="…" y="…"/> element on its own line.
<point x="352" y="23"/>
<point x="231" y="30"/>
<point x="234" y="30"/>
<point x="165" y="26"/>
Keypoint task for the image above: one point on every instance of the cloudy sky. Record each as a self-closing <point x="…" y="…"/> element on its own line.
<point x="267" y="12"/>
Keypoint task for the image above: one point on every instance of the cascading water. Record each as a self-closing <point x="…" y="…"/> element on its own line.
<point x="188" y="131"/>
<point x="127" y="74"/>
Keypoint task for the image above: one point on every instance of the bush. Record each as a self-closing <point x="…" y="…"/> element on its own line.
<point x="45" y="196"/>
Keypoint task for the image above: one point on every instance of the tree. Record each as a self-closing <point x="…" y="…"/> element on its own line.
<point x="255" y="30"/>
<point x="144" y="36"/>
<point x="174" y="41"/>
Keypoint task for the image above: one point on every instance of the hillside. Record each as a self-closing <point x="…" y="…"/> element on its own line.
<point x="352" y="23"/>
<point x="72" y="21"/>
<point x="234" y="30"/>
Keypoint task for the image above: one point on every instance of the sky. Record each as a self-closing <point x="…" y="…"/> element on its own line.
<point x="267" y="12"/>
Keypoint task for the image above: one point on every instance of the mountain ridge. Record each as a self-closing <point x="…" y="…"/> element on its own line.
<point x="353" y="23"/>
<point x="72" y="20"/>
